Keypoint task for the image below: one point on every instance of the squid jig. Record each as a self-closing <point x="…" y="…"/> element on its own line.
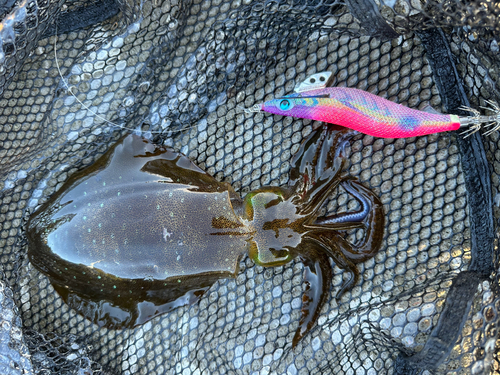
<point x="370" y="114"/>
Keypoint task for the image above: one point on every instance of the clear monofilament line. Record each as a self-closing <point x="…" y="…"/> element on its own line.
<point x="102" y="118"/>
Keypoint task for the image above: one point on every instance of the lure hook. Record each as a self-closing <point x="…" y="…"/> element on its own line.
<point x="495" y="119"/>
<point x="476" y="121"/>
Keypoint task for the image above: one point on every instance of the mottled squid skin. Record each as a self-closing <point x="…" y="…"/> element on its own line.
<point x="144" y="230"/>
<point x="362" y="111"/>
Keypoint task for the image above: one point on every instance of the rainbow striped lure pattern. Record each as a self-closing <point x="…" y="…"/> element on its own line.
<point x="370" y="114"/>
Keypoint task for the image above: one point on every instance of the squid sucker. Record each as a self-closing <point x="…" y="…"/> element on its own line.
<point x="144" y="230"/>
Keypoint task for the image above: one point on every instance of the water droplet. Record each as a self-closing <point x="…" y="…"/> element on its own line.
<point x="128" y="101"/>
<point x="144" y="86"/>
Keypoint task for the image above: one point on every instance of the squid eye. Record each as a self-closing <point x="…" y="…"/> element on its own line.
<point x="285" y="105"/>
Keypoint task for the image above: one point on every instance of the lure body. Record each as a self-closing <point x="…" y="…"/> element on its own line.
<point x="362" y="111"/>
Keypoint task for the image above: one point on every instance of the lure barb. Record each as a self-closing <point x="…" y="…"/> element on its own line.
<point x="370" y="114"/>
<point x="493" y="120"/>
<point x="472" y="123"/>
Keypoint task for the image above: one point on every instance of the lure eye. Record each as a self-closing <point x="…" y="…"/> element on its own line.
<point x="285" y="105"/>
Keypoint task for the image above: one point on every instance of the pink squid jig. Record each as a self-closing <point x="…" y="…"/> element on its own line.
<point x="370" y="114"/>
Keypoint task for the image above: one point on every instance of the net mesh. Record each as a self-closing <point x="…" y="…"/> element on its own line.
<point x="178" y="73"/>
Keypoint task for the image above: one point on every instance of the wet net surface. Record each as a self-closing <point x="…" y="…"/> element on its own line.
<point x="177" y="72"/>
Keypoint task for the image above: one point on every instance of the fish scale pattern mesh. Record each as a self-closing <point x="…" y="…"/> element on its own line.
<point x="178" y="72"/>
